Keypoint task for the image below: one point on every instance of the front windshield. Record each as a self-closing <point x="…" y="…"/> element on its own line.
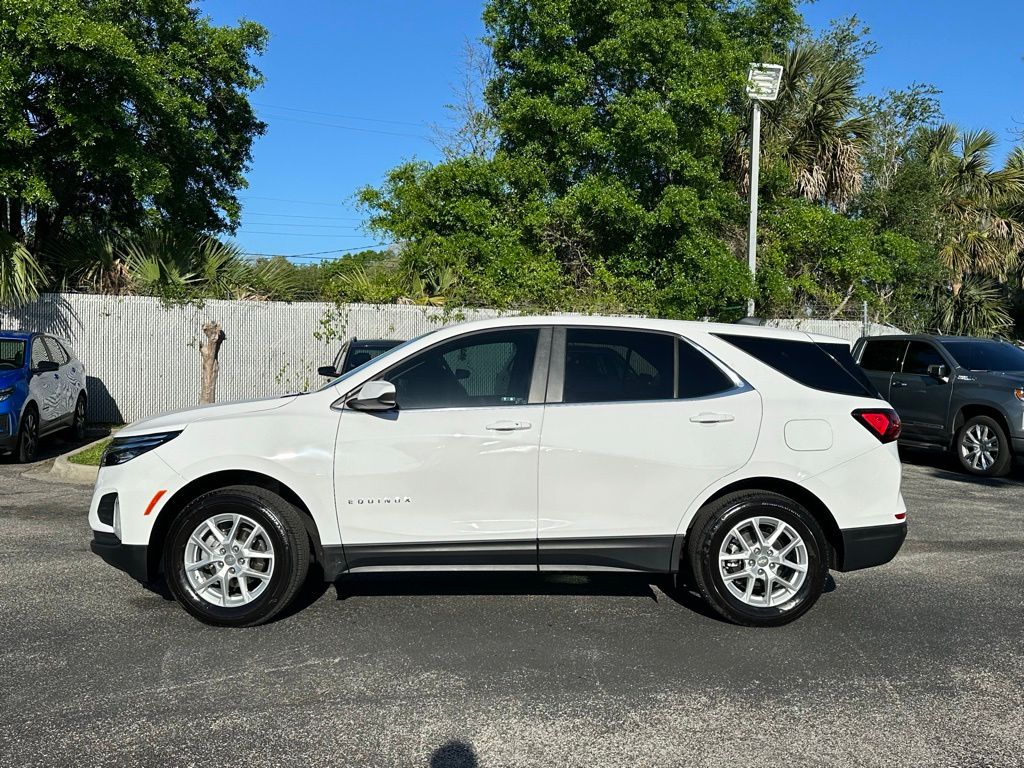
<point x="986" y="355"/>
<point x="12" y="354"/>
<point x="354" y="371"/>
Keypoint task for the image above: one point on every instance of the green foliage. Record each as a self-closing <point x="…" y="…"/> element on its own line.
<point x="812" y="257"/>
<point x="20" y="273"/>
<point x="978" y="308"/>
<point x="114" y="113"/>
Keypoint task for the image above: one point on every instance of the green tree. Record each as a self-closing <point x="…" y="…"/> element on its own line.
<point x="606" y="187"/>
<point x="118" y="113"/>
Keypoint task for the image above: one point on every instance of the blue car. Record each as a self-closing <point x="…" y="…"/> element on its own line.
<point x="42" y="391"/>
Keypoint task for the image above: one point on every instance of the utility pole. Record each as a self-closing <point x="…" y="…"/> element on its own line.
<point x="763" y="81"/>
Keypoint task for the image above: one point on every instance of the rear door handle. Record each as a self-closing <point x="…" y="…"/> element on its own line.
<point x="712" y="418"/>
<point x="508" y="426"/>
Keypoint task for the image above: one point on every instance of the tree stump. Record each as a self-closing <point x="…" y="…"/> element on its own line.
<point x="211" y="364"/>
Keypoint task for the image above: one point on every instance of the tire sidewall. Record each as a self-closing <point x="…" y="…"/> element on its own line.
<point x="29" y="416"/>
<point x="78" y="424"/>
<point x="817" y="568"/>
<point x="1002" y="462"/>
<point x="227" y="502"/>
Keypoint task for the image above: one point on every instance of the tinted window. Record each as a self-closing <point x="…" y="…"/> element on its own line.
<point x="813" y="365"/>
<point x="483" y="369"/>
<point x="919" y="356"/>
<point x="698" y="376"/>
<point x="986" y="355"/>
<point x="613" y="366"/>
<point x="884" y="355"/>
<point x="12" y="354"/>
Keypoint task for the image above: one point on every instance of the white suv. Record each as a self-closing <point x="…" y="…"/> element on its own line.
<point x="747" y="461"/>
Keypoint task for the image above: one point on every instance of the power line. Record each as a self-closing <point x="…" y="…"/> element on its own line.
<point x="309" y="254"/>
<point x="297" y="234"/>
<point x="307" y="226"/>
<point x="297" y="216"/>
<point x="287" y="200"/>
<point x="339" y="115"/>
<point x="345" y="127"/>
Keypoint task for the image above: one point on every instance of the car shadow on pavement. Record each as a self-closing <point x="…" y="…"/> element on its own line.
<point x="454" y="754"/>
<point x="943" y="465"/>
<point x="52" y="446"/>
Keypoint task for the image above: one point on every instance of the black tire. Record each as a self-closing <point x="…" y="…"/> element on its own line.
<point x="282" y="523"/>
<point x="28" y="436"/>
<point x="1003" y="458"/>
<point x="713" y="525"/>
<point x="76" y="431"/>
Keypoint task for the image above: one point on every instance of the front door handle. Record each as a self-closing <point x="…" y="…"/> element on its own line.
<point x="508" y="426"/>
<point x="712" y="418"/>
<point x="899" y="383"/>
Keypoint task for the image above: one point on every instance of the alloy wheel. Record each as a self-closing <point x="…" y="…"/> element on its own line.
<point x="763" y="561"/>
<point x="979" y="447"/>
<point x="229" y="560"/>
<point x="30" y="436"/>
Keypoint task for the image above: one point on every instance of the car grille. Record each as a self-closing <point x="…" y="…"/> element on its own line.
<point x="106" y="508"/>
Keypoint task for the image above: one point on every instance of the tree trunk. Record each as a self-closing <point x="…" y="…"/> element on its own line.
<point x="211" y="365"/>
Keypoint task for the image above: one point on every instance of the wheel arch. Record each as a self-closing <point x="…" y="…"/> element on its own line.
<point x="791" y="490"/>
<point x="223" y="479"/>
<point x="970" y="410"/>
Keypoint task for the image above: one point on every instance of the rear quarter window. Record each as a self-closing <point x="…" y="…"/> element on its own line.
<point x="826" y="367"/>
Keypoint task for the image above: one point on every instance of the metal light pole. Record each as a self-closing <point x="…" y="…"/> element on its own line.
<point x="762" y="85"/>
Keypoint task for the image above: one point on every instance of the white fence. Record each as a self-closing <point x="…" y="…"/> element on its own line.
<point x="142" y="356"/>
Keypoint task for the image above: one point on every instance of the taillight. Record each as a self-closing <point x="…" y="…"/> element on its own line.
<point x="883" y="423"/>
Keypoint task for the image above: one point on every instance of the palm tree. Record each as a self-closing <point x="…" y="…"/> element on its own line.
<point x="814" y="128"/>
<point x="981" y="230"/>
<point x="21" y="276"/>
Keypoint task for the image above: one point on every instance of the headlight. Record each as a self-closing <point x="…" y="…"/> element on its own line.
<point x="1019" y="392"/>
<point x="5" y="393"/>
<point x="122" y="449"/>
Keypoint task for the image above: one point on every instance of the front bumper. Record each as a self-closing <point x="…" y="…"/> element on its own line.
<point x="133" y="559"/>
<point x="871" y="546"/>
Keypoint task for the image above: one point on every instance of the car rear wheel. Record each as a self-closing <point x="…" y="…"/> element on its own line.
<point x="237" y="556"/>
<point x="982" y="447"/>
<point x="758" y="558"/>
<point x="28" y="436"/>
<point x="77" y="429"/>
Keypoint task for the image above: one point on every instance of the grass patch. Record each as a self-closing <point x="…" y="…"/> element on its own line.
<point x="91" y="456"/>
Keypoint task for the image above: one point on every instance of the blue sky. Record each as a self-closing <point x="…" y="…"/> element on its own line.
<point x="352" y="88"/>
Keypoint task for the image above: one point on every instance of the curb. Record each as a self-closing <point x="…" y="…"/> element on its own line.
<point x="66" y="472"/>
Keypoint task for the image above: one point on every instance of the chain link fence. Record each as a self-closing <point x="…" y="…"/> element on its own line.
<point x="849" y="322"/>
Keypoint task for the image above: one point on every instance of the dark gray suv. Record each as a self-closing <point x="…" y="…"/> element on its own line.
<point x="955" y="393"/>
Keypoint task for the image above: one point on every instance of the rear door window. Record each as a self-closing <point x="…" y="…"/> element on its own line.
<point x="826" y="367"/>
<point x="607" y="366"/>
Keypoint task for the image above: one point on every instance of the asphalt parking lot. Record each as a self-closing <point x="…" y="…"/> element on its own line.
<point x="920" y="662"/>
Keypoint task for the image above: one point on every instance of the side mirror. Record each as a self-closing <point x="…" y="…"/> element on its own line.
<point x="938" y="371"/>
<point x="46" y="366"/>
<point x="328" y="370"/>
<point x="374" y="396"/>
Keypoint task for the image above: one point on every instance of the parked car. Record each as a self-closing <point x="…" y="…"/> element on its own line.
<point x="953" y="393"/>
<point x="748" y="460"/>
<point x="42" y="391"/>
<point x="356" y="352"/>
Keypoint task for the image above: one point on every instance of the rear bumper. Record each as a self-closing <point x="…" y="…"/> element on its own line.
<point x="133" y="559"/>
<point x="871" y="546"/>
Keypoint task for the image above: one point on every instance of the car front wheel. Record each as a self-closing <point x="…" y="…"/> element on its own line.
<point x="28" y="436"/>
<point x="237" y="556"/>
<point x="982" y="447"/>
<point x="758" y="558"/>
